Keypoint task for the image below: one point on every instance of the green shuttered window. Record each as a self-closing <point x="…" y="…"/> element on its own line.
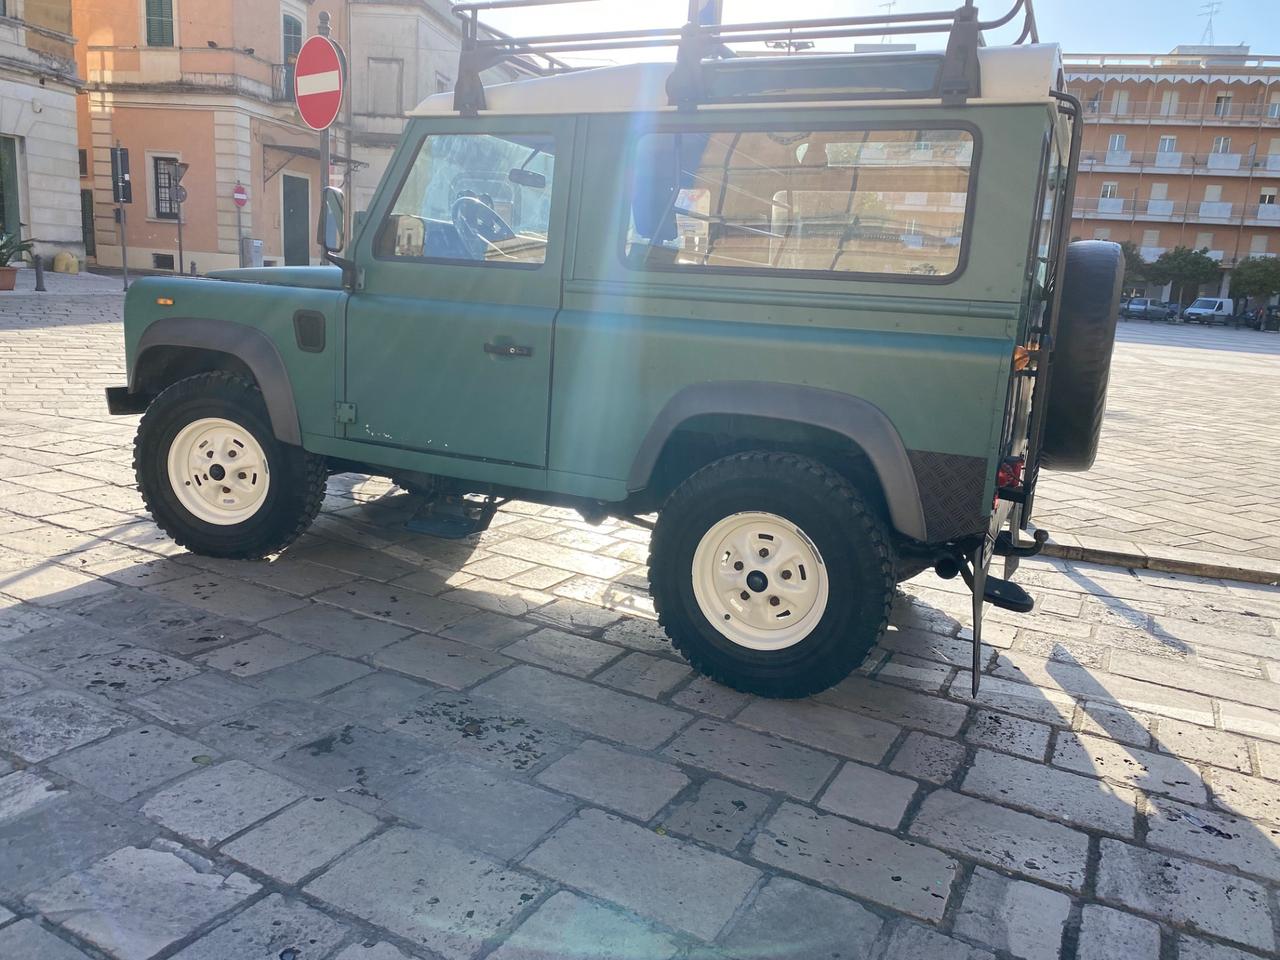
<point x="159" y="23"/>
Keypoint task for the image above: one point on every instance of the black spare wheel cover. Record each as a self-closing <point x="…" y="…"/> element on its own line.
<point x="1091" y="280"/>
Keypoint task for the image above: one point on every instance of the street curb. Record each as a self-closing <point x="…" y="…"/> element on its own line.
<point x="1213" y="566"/>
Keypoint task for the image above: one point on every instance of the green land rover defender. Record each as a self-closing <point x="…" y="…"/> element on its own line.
<point x="817" y="312"/>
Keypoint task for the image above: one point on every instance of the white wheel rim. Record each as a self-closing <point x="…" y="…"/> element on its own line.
<point x="760" y="581"/>
<point x="218" y="471"/>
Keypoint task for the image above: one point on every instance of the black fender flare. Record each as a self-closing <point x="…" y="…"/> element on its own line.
<point x="249" y="345"/>
<point x="861" y="422"/>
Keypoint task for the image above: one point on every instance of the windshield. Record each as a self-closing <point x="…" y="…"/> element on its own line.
<point x="1205" y="304"/>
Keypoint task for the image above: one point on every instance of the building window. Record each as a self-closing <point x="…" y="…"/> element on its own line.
<point x="1116" y="142"/>
<point x="443" y="84"/>
<point x="159" y="23"/>
<point x="1268" y="196"/>
<point x="1213" y="193"/>
<point x="1102" y="233"/>
<point x="386" y="87"/>
<point x="1168" y="144"/>
<point x="1204" y="240"/>
<point x="1222" y="105"/>
<point x="1151" y="238"/>
<point x="830" y="202"/>
<point x="1159" y="191"/>
<point x="84" y="162"/>
<point x="1169" y="103"/>
<point x="1221" y="144"/>
<point x="1273" y="106"/>
<point x="10" y="212"/>
<point x="1110" y="190"/>
<point x="162" y="188"/>
<point x="1258" y="245"/>
<point x="290" y="44"/>
<point x="1120" y="103"/>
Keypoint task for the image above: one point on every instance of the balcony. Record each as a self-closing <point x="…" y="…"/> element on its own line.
<point x="1175" y="211"/>
<point x="1175" y="161"/>
<point x="1151" y="254"/>
<point x="1156" y="112"/>
<point x="221" y="69"/>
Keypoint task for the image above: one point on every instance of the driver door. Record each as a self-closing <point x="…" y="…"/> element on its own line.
<point x="448" y="337"/>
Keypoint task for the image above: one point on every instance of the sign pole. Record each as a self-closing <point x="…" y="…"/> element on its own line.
<point x="181" y="268"/>
<point x="122" y="193"/>
<point x="324" y="135"/>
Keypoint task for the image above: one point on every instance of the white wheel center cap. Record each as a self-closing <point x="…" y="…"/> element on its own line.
<point x="218" y="471"/>
<point x="760" y="580"/>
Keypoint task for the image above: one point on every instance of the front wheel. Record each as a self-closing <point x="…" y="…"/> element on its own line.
<point x="214" y="477"/>
<point x="771" y="574"/>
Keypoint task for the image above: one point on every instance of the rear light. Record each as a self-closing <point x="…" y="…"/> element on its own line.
<point x="1010" y="473"/>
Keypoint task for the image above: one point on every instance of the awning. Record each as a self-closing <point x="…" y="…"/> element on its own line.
<point x="311" y="153"/>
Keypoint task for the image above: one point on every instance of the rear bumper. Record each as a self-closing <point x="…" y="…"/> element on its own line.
<point x="121" y="401"/>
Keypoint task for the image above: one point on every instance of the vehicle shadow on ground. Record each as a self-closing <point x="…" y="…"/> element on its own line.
<point x="1153" y="885"/>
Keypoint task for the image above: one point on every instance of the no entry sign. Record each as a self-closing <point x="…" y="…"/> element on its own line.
<point x="240" y="195"/>
<point x="317" y="82"/>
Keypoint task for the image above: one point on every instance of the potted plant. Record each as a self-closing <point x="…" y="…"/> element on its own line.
<point x="11" y="248"/>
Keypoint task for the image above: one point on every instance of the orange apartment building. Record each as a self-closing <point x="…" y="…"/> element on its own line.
<point x="209" y="83"/>
<point x="1180" y="149"/>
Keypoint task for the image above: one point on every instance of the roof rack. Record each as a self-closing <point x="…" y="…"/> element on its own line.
<point x="698" y="44"/>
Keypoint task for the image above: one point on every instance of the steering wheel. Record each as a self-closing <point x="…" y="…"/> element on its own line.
<point x="479" y="226"/>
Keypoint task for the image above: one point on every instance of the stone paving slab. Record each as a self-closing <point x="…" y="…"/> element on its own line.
<point x="419" y="729"/>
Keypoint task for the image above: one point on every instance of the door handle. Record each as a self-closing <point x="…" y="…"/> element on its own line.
<point x="508" y="350"/>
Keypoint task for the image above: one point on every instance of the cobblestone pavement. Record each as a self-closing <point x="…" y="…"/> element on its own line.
<point x="1190" y="457"/>
<point x="383" y="745"/>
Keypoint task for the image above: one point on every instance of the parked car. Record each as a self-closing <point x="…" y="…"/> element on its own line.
<point x="1142" y="308"/>
<point x="674" y="288"/>
<point x="1210" y="310"/>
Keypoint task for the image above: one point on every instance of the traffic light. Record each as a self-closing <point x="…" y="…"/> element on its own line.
<point x="121" y="186"/>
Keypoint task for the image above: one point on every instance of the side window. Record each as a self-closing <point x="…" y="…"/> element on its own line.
<point x="830" y="201"/>
<point x="482" y="198"/>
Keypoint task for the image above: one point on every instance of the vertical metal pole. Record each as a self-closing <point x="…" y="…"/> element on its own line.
<point x="324" y="135"/>
<point x="240" y="233"/>
<point x="124" y="246"/>
<point x="180" y="261"/>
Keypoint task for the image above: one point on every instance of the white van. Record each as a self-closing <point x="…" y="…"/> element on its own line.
<point x="1209" y="310"/>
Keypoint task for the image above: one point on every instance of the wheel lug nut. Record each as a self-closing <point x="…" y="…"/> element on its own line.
<point x="786" y="574"/>
<point x="763" y="552"/>
<point x="737" y="565"/>
<point x="745" y="595"/>
<point x="226" y="489"/>
<point x="774" y="601"/>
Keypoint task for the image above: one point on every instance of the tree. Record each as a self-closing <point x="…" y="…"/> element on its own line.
<point x="1256" y="277"/>
<point x="1135" y="268"/>
<point x="1184" y="267"/>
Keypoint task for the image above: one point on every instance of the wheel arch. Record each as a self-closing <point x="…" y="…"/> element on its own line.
<point x="858" y="422"/>
<point x="178" y="347"/>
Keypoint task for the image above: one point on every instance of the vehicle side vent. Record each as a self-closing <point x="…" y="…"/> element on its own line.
<point x="308" y="329"/>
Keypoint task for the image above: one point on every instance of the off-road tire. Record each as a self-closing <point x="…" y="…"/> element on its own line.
<point x="833" y="514"/>
<point x="1091" y="280"/>
<point x="297" y="477"/>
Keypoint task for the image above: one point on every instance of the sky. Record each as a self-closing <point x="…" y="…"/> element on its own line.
<point x="1080" y="26"/>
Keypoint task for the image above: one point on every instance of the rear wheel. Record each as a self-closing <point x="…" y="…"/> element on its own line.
<point x="214" y="477"/>
<point x="771" y="574"/>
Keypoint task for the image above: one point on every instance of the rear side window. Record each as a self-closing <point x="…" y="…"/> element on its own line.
<point x="833" y="202"/>
<point x="473" y="198"/>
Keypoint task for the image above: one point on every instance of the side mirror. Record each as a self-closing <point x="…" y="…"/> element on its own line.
<point x="332" y="231"/>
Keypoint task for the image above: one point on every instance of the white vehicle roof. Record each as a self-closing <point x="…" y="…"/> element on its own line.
<point x="1018" y="74"/>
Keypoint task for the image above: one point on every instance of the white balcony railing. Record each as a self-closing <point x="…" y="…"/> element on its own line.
<point x="1223" y="161"/>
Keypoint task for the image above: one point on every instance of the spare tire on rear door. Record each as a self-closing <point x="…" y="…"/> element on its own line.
<point x="1091" y="280"/>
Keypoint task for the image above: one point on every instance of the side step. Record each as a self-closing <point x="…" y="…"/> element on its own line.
<point x="1007" y="595"/>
